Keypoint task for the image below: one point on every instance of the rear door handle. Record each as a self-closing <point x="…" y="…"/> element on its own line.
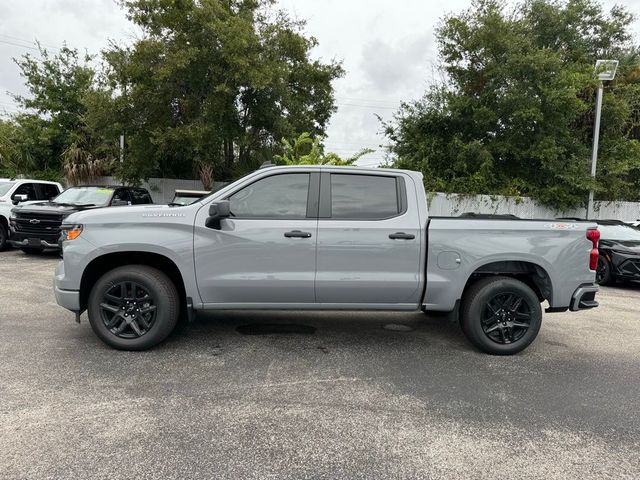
<point x="401" y="236"/>
<point x="297" y="234"/>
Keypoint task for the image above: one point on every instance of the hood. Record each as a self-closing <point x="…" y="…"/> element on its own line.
<point x="129" y="213"/>
<point x="52" y="208"/>
<point x="631" y="246"/>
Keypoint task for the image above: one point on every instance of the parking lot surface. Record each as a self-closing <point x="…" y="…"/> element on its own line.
<point x="327" y="396"/>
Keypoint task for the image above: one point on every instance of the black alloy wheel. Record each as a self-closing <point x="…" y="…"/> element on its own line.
<point x="133" y="307"/>
<point x="506" y="318"/>
<point x="500" y="315"/>
<point x="128" y="310"/>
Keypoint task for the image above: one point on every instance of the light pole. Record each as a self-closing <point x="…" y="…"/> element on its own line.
<point x="605" y="71"/>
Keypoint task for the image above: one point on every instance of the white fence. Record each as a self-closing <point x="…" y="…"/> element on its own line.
<point x="441" y="204"/>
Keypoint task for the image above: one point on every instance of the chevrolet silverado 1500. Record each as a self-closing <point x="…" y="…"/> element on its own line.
<point x="324" y="238"/>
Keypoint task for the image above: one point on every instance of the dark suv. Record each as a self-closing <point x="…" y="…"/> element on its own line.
<point x="36" y="226"/>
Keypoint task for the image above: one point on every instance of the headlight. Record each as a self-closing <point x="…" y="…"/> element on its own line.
<point x="71" y="232"/>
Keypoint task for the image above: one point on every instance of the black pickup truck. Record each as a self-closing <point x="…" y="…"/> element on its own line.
<point x="36" y="226"/>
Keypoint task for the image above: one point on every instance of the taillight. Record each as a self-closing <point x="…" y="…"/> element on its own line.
<point x="593" y="234"/>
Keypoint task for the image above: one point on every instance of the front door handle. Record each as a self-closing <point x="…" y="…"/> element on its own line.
<point x="401" y="236"/>
<point x="297" y="234"/>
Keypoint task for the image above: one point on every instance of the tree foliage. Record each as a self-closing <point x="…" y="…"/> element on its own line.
<point x="515" y="113"/>
<point x="215" y="82"/>
<point x="210" y="88"/>
<point x="307" y="150"/>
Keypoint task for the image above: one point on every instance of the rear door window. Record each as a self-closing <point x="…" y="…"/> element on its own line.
<point x="364" y="197"/>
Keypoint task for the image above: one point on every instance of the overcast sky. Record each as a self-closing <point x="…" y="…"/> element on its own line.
<point x="387" y="49"/>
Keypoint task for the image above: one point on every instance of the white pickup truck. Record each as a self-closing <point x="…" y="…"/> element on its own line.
<point x="324" y="238"/>
<point x="14" y="192"/>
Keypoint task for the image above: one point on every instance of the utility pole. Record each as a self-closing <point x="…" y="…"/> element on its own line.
<point x="605" y="71"/>
<point x="122" y="148"/>
<point x="594" y="152"/>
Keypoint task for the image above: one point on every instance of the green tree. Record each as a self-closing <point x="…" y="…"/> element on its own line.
<point x="216" y="82"/>
<point x="515" y="113"/>
<point x="51" y="136"/>
<point x="307" y="150"/>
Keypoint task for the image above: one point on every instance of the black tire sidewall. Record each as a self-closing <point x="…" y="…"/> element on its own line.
<point x="4" y="236"/>
<point x="607" y="276"/>
<point x="474" y="306"/>
<point x="163" y="293"/>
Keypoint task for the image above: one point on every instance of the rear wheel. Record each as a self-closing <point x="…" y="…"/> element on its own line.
<point x="603" y="272"/>
<point x="133" y="307"/>
<point x="500" y="315"/>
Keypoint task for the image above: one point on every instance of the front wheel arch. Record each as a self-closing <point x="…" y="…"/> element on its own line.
<point x="104" y="263"/>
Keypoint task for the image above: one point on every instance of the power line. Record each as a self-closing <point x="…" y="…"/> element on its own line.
<point x="18" y="45"/>
<point x="34" y="42"/>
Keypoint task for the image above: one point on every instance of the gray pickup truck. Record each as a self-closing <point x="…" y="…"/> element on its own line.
<point x="321" y="238"/>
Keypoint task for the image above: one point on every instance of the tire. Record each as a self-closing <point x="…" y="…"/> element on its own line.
<point x="604" y="275"/>
<point x="150" y="319"/>
<point x="32" y="250"/>
<point x="3" y="237"/>
<point x="490" y="320"/>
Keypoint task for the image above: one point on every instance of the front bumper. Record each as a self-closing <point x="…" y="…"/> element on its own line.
<point x="584" y="297"/>
<point x="19" y="239"/>
<point x="626" y="265"/>
<point x="30" y="242"/>
<point x="69" y="299"/>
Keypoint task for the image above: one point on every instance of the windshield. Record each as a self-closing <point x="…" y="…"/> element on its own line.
<point x="85" y="196"/>
<point x="619" y="232"/>
<point x="5" y="187"/>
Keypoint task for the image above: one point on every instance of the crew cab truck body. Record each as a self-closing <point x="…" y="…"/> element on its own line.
<point x="323" y="238"/>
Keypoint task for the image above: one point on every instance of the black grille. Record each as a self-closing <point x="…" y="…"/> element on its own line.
<point x="38" y="223"/>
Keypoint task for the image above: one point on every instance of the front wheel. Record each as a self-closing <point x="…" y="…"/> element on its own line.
<point x="3" y="237"/>
<point x="133" y="307"/>
<point x="500" y="315"/>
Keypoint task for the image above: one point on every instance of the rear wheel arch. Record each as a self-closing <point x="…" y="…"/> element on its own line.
<point x="99" y="266"/>
<point x="532" y="274"/>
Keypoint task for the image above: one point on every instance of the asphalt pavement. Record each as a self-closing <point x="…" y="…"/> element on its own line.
<point x="300" y="395"/>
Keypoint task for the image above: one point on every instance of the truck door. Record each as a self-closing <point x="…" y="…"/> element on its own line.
<point x="368" y="241"/>
<point x="265" y="253"/>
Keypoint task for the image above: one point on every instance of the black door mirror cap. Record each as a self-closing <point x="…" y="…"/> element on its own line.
<point x="221" y="209"/>
<point x="218" y="211"/>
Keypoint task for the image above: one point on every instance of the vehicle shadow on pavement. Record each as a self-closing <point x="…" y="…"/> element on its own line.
<point x="306" y="328"/>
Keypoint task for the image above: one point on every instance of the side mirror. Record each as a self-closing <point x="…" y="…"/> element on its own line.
<point x="20" y="198"/>
<point x="218" y="211"/>
<point x="119" y="203"/>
